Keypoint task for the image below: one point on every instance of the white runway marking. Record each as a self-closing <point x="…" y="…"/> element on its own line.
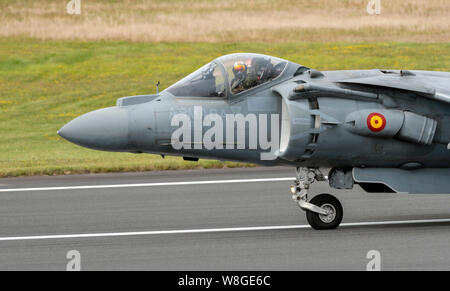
<point x="211" y="230"/>
<point x="148" y="184"/>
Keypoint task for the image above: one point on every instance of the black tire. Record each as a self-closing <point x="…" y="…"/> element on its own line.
<point x="317" y="221"/>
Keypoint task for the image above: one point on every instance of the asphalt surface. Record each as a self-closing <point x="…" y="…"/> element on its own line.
<point x="421" y="246"/>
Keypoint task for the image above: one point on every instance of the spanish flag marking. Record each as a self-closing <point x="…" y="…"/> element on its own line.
<point x="376" y="122"/>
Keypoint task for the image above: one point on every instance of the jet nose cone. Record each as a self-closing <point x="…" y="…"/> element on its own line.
<point x="105" y="129"/>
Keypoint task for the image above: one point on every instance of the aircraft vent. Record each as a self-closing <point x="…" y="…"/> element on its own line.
<point x="316" y="123"/>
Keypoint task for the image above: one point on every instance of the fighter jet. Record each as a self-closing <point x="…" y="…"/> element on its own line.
<point x="384" y="130"/>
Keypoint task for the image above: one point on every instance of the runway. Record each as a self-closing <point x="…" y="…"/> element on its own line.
<point x="226" y="219"/>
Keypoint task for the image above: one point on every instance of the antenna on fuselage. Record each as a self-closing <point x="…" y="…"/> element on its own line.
<point x="157" y="87"/>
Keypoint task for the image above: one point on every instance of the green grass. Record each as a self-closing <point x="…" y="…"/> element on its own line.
<point x="44" y="84"/>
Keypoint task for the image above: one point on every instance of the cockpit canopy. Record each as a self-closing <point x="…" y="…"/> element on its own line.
<point x="238" y="72"/>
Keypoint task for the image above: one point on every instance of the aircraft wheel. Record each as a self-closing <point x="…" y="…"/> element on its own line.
<point x="330" y="221"/>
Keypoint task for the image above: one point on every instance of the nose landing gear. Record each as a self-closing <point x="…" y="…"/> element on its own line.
<point x="334" y="215"/>
<point x="324" y="211"/>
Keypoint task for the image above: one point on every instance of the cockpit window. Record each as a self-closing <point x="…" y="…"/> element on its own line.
<point x="246" y="71"/>
<point x="208" y="81"/>
<point x="240" y="71"/>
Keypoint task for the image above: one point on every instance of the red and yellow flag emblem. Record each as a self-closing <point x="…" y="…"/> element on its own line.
<point x="376" y="122"/>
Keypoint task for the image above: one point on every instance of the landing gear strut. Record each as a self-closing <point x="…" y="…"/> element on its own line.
<point x="324" y="211"/>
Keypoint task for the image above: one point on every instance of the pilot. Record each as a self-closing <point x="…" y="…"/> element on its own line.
<point x="240" y="75"/>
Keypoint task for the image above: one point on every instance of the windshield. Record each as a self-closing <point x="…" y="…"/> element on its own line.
<point x="241" y="71"/>
<point x="246" y="71"/>
<point x="208" y="81"/>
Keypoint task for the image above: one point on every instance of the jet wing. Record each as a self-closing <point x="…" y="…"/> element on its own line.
<point x="431" y="88"/>
<point x="408" y="83"/>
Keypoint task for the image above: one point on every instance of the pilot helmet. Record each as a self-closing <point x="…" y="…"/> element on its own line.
<point x="239" y="67"/>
